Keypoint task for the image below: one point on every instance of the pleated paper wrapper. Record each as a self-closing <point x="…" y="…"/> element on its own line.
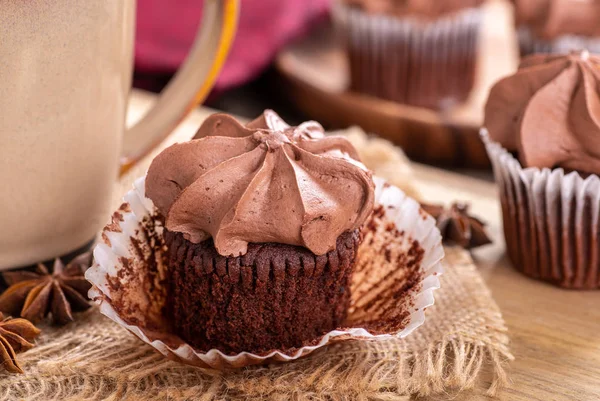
<point x="530" y="44"/>
<point x="392" y="284"/>
<point x="551" y="220"/>
<point x="407" y="60"/>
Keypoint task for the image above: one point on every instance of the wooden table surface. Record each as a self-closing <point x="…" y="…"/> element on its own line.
<point x="555" y="333"/>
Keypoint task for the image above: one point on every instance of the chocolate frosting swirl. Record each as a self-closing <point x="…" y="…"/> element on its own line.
<point x="420" y="8"/>
<point x="263" y="182"/>
<point x="549" y="111"/>
<point x="552" y="18"/>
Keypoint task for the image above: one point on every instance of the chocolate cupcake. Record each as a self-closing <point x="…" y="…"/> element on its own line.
<point x="542" y="133"/>
<point x="262" y="225"/>
<point x="557" y="26"/>
<point x="416" y="52"/>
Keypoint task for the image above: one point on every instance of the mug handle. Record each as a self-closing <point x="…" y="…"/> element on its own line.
<point x="200" y="70"/>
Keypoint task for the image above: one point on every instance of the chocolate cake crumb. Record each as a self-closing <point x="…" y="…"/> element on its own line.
<point x="147" y="254"/>
<point x="274" y="297"/>
<point x="388" y="255"/>
<point x="113" y="226"/>
<point x="378" y="212"/>
<point x="383" y="299"/>
<point x="105" y="238"/>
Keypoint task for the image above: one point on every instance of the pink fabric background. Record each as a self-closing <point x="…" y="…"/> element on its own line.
<point x="166" y="29"/>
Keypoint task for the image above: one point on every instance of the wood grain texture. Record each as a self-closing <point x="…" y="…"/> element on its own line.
<point x="555" y="333"/>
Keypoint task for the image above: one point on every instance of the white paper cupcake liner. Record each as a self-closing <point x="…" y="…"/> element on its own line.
<point x="129" y="276"/>
<point x="428" y="64"/>
<point x="551" y="220"/>
<point x="530" y="44"/>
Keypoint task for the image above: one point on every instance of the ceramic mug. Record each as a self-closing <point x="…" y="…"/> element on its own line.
<point x="65" y="76"/>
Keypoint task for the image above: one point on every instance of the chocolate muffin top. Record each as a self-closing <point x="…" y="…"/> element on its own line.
<point x="263" y="182"/>
<point x="419" y="8"/>
<point x="549" y="112"/>
<point x="552" y="18"/>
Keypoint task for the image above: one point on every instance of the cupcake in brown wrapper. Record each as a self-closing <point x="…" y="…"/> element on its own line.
<point x="395" y="273"/>
<point x="260" y="243"/>
<point x="262" y="226"/>
<point x="275" y="296"/>
<point x="423" y="57"/>
<point x="551" y="220"/>
<point x="546" y="115"/>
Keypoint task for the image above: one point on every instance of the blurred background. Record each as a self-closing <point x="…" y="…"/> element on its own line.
<point x="248" y="83"/>
<point x="422" y="83"/>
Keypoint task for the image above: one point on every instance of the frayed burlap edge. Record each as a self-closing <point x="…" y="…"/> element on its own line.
<point x="421" y="373"/>
<point x="464" y="334"/>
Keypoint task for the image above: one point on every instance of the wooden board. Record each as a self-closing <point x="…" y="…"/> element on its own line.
<point x="555" y="333"/>
<point x="316" y="76"/>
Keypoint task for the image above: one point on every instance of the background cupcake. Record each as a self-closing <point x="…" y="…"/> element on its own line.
<point x="262" y="228"/>
<point x="544" y="143"/>
<point x="557" y="26"/>
<point x="417" y="52"/>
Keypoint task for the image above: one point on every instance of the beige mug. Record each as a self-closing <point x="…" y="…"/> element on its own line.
<point x="65" y="77"/>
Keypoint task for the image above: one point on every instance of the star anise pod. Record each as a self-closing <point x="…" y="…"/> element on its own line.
<point x="458" y="226"/>
<point x="16" y="335"/>
<point x="35" y="295"/>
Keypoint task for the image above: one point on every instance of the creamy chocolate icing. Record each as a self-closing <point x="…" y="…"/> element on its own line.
<point x="549" y="111"/>
<point x="551" y="18"/>
<point x="263" y="182"/>
<point x="421" y="8"/>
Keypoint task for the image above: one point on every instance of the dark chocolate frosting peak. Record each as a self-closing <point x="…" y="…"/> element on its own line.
<point x="262" y="182"/>
<point x="549" y="111"/>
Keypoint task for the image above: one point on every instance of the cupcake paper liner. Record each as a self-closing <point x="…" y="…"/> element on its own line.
<point x="551" y="220"/>
<point x="396" y="272"/>
<point x="530" y="44"/>
<point x="428" y="64"/>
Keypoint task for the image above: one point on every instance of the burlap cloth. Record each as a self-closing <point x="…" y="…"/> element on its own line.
<point x="463" y="336"/>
